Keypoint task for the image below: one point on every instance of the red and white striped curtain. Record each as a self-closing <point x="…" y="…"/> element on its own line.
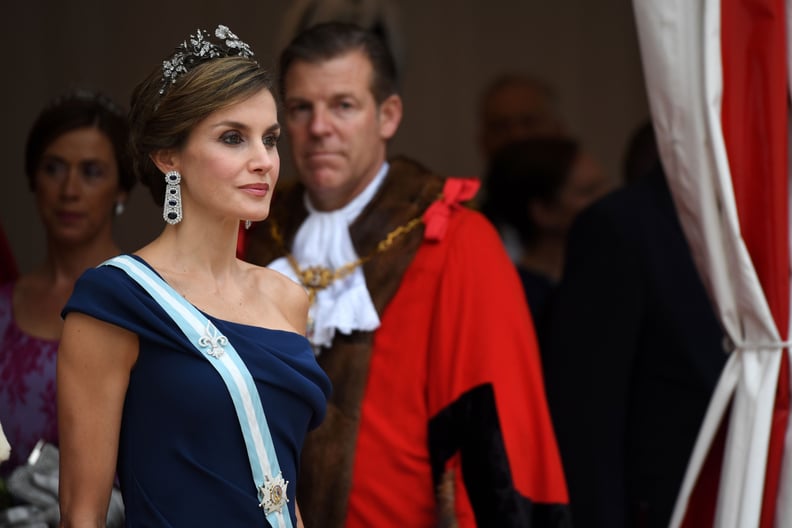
<point x="717" y="77"/>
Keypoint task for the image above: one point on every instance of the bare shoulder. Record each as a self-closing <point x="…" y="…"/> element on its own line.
<point x="282" y="286"/>
<point x="282" y="293"/>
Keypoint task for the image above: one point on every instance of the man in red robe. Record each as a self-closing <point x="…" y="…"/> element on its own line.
<point x="438" y="415"/>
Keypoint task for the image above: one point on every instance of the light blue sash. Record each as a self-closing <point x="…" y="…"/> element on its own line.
<point x="214" y="346"/>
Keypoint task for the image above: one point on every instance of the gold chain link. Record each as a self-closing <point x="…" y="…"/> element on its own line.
<point x="317" y="278"/>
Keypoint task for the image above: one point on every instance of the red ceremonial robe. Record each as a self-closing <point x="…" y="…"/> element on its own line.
<point x="450" y="418"/>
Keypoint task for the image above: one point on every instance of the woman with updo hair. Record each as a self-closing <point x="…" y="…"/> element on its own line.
<point x="77" y="168"/>
<point x="182" y="366"/>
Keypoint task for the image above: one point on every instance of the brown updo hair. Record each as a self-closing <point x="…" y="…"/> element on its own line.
<point x="75" y="109"/>
<point x="164" y="121"/>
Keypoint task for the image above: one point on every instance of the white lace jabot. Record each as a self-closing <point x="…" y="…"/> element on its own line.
<point x="323" y="240"/>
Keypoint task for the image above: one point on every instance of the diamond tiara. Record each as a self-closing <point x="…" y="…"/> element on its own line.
<point x="199" y="48"/>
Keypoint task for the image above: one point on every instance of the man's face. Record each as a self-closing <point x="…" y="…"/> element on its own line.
<point x="338" y="132"/>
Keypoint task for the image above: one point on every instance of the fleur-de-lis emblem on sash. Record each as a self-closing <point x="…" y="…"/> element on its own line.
<point x="213" y="340"/>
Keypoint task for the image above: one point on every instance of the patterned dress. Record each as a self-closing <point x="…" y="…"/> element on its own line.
<point x="27" y="385"/>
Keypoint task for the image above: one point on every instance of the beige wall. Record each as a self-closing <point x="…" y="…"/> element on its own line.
<point x="453" y="47"/>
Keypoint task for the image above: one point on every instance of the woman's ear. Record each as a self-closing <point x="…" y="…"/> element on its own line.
<point x="165" y="160"/>
<point x="122" y="197"/>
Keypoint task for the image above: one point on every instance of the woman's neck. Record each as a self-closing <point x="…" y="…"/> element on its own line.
<point x="64" y="263"/>
<point x="200" y="250"/>
<point x="39" y="296"/>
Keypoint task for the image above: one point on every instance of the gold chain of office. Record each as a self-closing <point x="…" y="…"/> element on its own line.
<point x="317" y="278"/>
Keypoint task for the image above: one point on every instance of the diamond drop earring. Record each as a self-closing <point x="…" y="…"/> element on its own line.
<point x="172" y="207"/>
<point x="248" y="223"/>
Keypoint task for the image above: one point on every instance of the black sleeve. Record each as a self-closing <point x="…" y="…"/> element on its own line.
<point x="589" y="346"/>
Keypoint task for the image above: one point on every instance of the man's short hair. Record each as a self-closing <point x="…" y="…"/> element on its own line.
<point x="330" y="40"/>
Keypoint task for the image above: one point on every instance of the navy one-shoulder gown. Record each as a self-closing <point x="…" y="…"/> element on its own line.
<point x="182" y="458"/>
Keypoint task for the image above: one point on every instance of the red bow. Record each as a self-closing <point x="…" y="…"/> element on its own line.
<point x="455" y="191"/>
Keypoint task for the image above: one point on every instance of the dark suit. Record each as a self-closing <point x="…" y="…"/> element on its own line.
<point x="632" y="352"/>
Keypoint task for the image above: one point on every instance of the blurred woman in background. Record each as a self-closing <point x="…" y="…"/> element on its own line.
<point x="76" y="165"/>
